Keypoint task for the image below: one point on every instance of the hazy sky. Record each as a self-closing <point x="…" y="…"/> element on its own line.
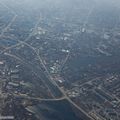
<point x="57" y="2"/>
<point x="61" y="3"/>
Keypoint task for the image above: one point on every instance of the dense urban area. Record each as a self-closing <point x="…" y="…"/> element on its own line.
<point x="59" y="55"/>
